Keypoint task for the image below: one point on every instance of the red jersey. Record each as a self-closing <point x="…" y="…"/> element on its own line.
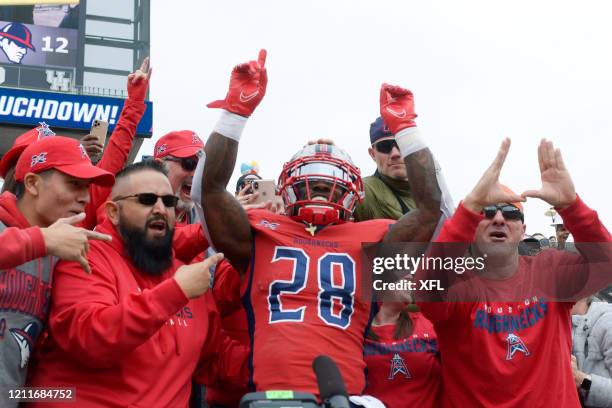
<point x="303" y="295"/>
<point x="512" y="354"/>
<point x="405" y="372"/>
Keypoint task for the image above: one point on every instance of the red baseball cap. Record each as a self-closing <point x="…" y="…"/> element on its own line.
<point x="62" y="154"/>
<point x="180" y="143"/>
<point x="23" y="141"/>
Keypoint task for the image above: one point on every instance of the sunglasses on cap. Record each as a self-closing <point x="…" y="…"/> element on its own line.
<point x="149" y="199"/>
<point x="509" y="212"/>
<point x="385" y="146"/>
<point x="187" y="163"/>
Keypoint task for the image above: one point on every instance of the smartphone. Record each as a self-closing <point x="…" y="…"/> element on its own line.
<point x="99" y="128"/>
<point x="266" y="190"/>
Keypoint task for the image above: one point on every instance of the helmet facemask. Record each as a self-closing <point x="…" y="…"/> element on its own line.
<point x="320" y="185"/>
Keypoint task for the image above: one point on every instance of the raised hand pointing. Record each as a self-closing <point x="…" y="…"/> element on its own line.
<point x="247" y="87"/>
<point x="70" y="243"/>
<point x="138" y="81"/>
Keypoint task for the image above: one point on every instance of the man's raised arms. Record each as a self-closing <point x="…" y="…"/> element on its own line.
<point x="225" y="219"/>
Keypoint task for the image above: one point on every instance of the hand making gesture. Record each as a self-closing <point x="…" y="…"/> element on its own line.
<point x="397" y="107"/>
<point x="557" y="186"/>
<point x="488" y="190"/>
<point x="247" y="87"/>
<point x="138" y="82"/>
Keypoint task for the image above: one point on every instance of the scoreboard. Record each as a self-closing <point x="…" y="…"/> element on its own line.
<point x="50" y="46"/>
<point x="43" y="76"/>
<point x="39" y="46"/>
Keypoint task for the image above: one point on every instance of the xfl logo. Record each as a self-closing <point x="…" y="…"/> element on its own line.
<point x="38" y="159"/>
<point x="268" y="224"/>
<point x="44" y="131"/>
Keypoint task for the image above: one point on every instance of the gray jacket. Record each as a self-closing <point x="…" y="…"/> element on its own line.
<point x="592" y="346"/>
<point x="25" y="298"/>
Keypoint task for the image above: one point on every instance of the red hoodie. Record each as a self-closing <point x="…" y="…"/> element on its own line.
<point x="512" y="354"/>
<point x="20" y="242"/>
<point x="124" y="338"/>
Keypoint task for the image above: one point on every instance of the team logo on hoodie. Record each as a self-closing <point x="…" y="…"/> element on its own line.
<point x="515" y="344"/>
<point x="398" y="366"/>
<point x="25" y="338"/>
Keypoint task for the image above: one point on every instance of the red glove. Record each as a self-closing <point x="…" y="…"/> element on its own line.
<point x="397" y="107"/>
<point x="247" y="87"/>
<point x="138" y="82"/>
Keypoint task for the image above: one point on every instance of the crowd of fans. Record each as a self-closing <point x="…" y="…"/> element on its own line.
<point x="138" y="285"/>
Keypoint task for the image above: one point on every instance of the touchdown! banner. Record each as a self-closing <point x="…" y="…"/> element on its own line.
<point x="65" y="110"/>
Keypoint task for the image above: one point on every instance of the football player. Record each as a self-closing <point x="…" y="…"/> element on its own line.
<point x="302" y="270"/>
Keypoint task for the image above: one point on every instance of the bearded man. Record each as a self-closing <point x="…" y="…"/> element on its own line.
<point x="137" y="330"/>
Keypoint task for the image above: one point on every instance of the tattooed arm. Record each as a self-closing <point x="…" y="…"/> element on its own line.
<point x="226" y="220"/>
<point x="419" y="224"/>
<point x="397" y="112"/>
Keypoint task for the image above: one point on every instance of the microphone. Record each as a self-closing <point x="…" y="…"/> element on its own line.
<point x="331" y="386"/>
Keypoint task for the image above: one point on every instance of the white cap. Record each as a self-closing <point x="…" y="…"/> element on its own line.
<point x="556" y="220"/>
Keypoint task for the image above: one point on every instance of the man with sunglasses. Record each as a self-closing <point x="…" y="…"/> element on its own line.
<point x="387" y="191"/>
<point x="505" y="330"/>
<point x="178" y="150"/>
<point x="139" y="328"/>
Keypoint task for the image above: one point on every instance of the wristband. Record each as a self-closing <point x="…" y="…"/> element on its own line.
<point x="196" y="195"/>
<point x="230" y="125"/>
<point x="409" y="141"/>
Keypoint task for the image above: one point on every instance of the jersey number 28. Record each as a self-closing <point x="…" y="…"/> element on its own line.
<point x="327" y="290"/>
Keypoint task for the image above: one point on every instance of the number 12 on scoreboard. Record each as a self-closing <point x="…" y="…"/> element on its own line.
<point x="62" y="48"/>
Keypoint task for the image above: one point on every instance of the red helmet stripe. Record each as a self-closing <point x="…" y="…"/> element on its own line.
<point x="17" y="39"/>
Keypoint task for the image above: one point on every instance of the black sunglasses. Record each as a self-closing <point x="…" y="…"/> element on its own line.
<point x="149" y="199"/>
<point x="509" y="212"/>
<point x="187" y="163"/>
<point x="385" y="146"/>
